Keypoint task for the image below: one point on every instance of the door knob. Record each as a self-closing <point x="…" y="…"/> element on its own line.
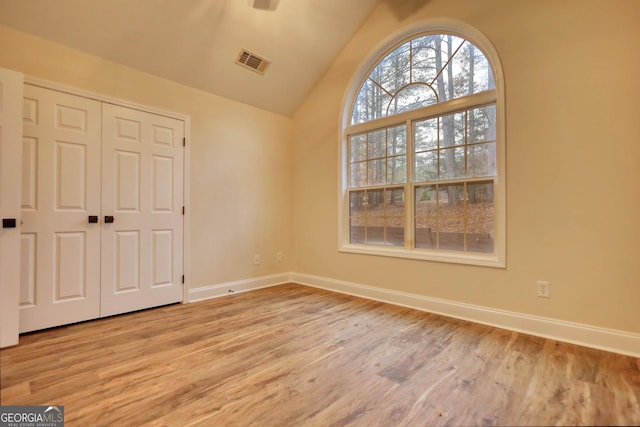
<point x="93" y="219"/>
<point x="108" y="219"/>
<point x="8" y="223"/>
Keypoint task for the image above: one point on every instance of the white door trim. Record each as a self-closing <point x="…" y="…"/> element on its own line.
<point x="11" y="94"/>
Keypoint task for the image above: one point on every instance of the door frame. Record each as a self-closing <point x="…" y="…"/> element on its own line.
<point x="12" y="208"/>
<point x="186" y="265"/>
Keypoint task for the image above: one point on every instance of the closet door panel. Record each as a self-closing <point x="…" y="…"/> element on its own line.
<point x="142" y="249"/>
<point x="60" y="269"/>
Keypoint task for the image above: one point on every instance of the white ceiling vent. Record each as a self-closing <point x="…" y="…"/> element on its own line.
<point x="252" y="61"/>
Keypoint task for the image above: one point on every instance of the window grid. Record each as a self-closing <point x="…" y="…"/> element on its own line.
<point x="380" y="165"/>
<point x="466" y="146"/>
<point x="377" y="216"/>
<point x="464" y="168"/>
<point x="446" y="52"/>
<point x="375" y="146"/>
<point x="437" y="223"/>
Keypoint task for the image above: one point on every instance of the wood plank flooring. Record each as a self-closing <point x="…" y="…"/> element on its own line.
<point x="298" y="356"/>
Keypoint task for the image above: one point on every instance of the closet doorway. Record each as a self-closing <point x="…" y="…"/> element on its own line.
<point x="102" y="209"/>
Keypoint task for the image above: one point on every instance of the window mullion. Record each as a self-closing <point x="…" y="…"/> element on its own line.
<point x="367" y="162"/>
<point x="409" y="209"/>
<point x="465" y="216"/>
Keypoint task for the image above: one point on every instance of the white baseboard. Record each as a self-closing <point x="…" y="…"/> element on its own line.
<point x="586" y="335"/>
<point x="576" y="333"/>
<point x="223" y="289"/>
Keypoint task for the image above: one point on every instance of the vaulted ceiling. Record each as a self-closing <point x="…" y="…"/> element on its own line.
<point x="196" y="42"/>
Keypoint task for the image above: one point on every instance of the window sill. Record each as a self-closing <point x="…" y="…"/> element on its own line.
<point x="490" y="260"/>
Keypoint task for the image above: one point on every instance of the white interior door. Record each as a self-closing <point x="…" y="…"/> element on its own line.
<point x="10" y="155"/>
<point x="60" y="250"/>
<point x="142" y="249"/>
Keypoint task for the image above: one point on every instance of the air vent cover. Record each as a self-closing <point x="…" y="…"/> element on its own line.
<point x="252" y="61"/>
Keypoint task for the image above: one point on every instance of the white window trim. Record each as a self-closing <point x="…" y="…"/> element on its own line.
<point x="498" y="258"/>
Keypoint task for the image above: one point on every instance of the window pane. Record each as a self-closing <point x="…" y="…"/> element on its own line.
<point x="377" y="144"/>
<point x="394" y="223"/>
<point x="396" y="141"/>
<point x="451" y="233"/>
<point x="358" y="174"/>
<point x="480" y="236"/>
<point x="370" y="104"/>
<point x="426" y="223"/>
<point x="397" y="170"/>
<point x="377" y="172"/>
<point x="426" y="135"/>
<point x="452" y="163"/>
<point x="358" y="148"/>
<point x="395" y="231"/>
<point x="425" y="200"/>
<point x="375" y="231"/>
<point x="481" y="160"/>
<point x="451" y="217"/>
<point x="482" y="74"/>
<point x="480" y="217"/>
<point x="424" y="59"/>
<point x="426" y="233"/>
<point x="427" y="166"/>
<point x="480" y="199"/>
<point x="357" y="203"/>
<point x="451" y="200"/>
<point x="357" y="219"/>
<point x="452" y="130"/>
<point x="481" y="124"/>
<point x="393" y="71"/>
<point x="394" y="200"/>
<point x="412" y="97"/>
<point x="356" y="230"/>
<point x="445" y="47"/>
<point x="473" y="72"/>
<point x="375" y="203"/>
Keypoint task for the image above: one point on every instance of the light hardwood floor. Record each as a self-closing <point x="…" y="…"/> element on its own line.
<point x="297" y="356"/>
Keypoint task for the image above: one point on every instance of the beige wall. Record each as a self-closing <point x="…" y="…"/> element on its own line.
<point x="240" y="158"/>
<point x="573" y="175"/>
<point x="572" y="78"/>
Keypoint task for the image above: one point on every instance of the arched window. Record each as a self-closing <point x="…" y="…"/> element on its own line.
<point x="423" y="155"/>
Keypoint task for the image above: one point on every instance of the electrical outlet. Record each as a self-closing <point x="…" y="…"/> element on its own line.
<point x="256" y="259"/>
<point x="279" y="257"/>
<point x="544" y="289"/>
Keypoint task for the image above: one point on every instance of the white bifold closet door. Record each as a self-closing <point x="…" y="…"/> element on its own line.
<point x="60" y="251"/>
<point x="102" y="209"/>
<point x="142" y="172"/>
